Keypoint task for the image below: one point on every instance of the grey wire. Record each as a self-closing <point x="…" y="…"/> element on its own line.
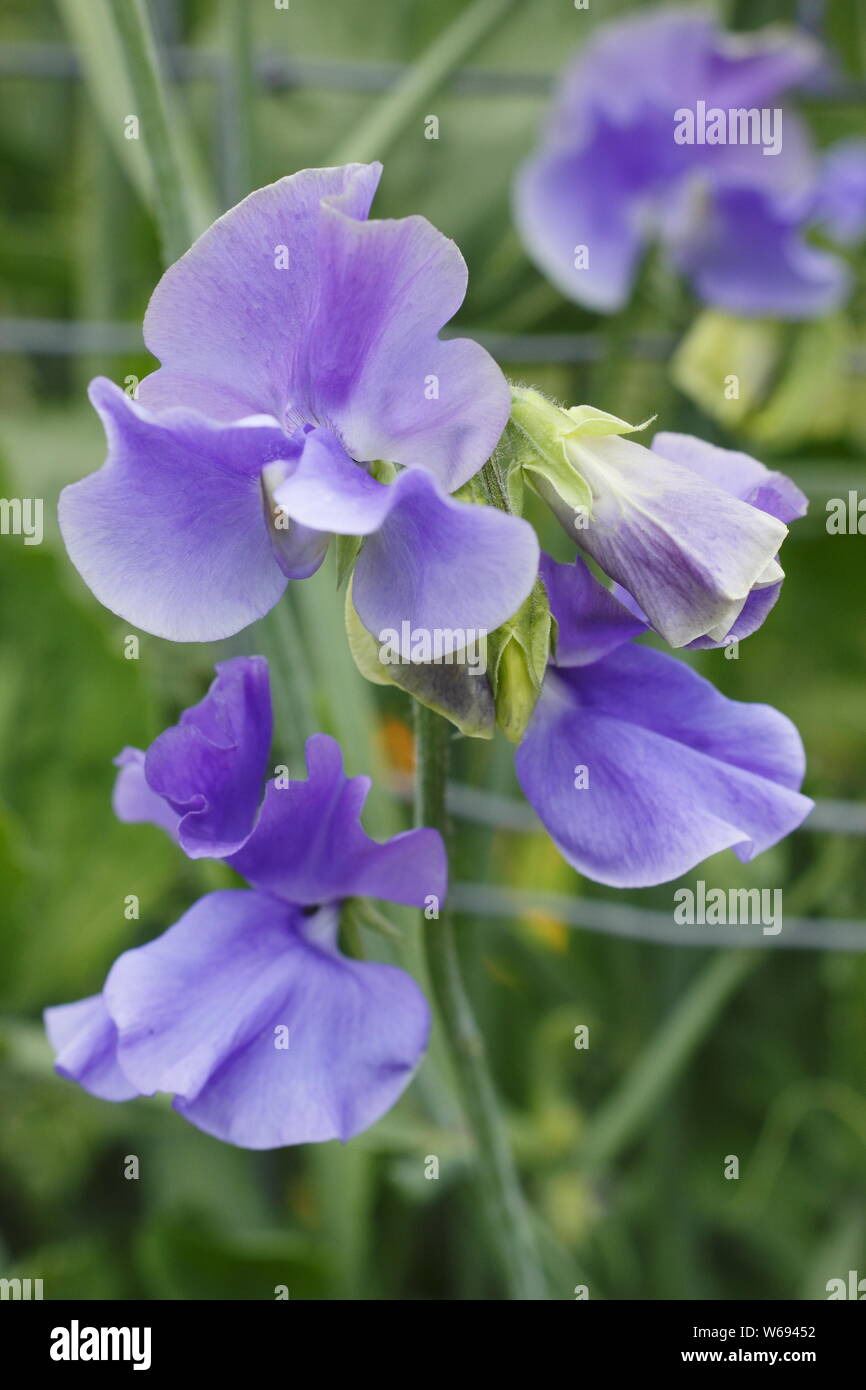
<point x="647" y="924"/>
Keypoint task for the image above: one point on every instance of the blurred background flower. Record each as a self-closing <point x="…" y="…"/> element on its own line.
<point x="634" y="1054"/>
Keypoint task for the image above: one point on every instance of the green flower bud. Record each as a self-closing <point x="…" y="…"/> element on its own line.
<point x="518" y="653"/>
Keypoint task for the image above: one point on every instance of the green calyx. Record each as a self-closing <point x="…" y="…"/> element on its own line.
<point x="535" y="449"/>
<point x="518" y="653"/>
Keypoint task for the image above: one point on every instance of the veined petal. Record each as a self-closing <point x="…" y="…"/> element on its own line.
<point x="266" y="1035"/>
<point x="309" y="847"/>
<point x="294" y="304"/>
<point x="171" y="533"/>
<point x="447" y="569"/>
<point x="674" y="771"/>
<point x="689" y="553"/>
<point x="744" y="477"/>
<point x="84" y="1039"/>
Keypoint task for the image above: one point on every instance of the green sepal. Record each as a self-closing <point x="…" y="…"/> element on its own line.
<point x="466" y="700"/>
<point x="519" y="652"/>
<point x="347" y="550"/>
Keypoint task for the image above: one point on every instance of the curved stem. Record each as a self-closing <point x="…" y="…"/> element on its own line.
<point x="509" y="1218"/>
<point x="374" y="137"/>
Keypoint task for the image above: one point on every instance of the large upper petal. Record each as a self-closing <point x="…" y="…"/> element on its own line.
<point x="201" y="1013"/>
<point x="171" y="533"/>
<point x="438" y="565"/>
<point x="294" y="305"/>
<point x="309" y="847"/>
<point x="676" y="772"/>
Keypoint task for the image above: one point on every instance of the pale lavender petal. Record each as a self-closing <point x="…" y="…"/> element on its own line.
<point x="294" y="305"/>
<point x="136" y="803"/>
<point x="84" y="1040"/>
<point x="674" y="771"/>
<point x="740" y="474"/>
<point x="171" y="533"/>
<point x="445" y="568"/>
<point x="689" y="553"/>
<point x="590" y="619"/>
<point x="203" y="1013"/>
<point x="746" y="478"/>
<point x="430" y="562"/>
<point x="231" y="318"/>
<point x="582" y="223"/>
<point x="309" y="846"/>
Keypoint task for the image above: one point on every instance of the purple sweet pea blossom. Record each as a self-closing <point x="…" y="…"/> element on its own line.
<point x="299" y="348"/>
<point x="674" y="771"/>
<point x="684" y="528"/>
<point x="246" y="1011"/>
<point x="741" y="477"/>
<point x="610" y="175"/>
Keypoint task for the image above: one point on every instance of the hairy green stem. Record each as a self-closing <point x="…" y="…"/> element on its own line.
<point x="509" y="1218"/>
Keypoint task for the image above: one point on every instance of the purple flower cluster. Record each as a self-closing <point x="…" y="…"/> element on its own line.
<point x="246" y="1011"/>
<point x="666" y="129"/>
<point x="304" y="392"/>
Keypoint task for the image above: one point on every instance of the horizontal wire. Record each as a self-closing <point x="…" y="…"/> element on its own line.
<point x="648" y="924"/>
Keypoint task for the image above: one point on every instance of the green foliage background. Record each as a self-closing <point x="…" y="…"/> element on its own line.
<point x="622" y="1146"/>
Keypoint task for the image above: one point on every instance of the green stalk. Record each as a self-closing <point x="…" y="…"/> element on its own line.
<point x="509" y="1218"/>
<point x="240" y="130"/>
<point x="178" y="210"/>
<point x="374" y="137"/>
<point x="621" y="1117"/>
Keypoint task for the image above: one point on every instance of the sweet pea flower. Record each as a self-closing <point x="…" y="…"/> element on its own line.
<point x="689" y="531"/>
<point x="246" y="1011"/>
<point x="638" y="767"/>
<point x="303" y="392"/>
<point x="666" y="129"/>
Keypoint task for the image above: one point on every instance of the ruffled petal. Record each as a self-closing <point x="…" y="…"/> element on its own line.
<point x="171" y="533"/>
<point x="266" y="1035"/>
<point x="446" y="569"/>
<point x="310" y="848"/>
<point x="210" y="767"/>
<point x="231" y="318"/>
<point x="135" y="802"/>
<point x="674" y="771"/>
<point x="84" y="1039"/>
<point x="295" y="305"/>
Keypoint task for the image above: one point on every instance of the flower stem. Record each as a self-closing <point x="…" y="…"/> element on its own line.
<point x="508" y="1215"/>
<point x="178" y="196"/>
<point x="374" y="137"/>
